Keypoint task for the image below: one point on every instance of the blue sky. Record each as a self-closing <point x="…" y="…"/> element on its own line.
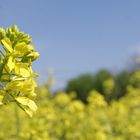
<point x="76" y="36"/>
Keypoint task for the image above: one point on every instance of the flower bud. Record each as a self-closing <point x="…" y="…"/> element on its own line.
<point x="33" y="55"/>
<point x="2" y="33"/>
<point x="15" y="29"/>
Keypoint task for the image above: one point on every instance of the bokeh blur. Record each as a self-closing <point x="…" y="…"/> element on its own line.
<point x="89" y="70"/>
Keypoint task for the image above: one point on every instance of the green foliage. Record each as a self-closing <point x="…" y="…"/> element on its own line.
<point x="109" y="85"/>
<point x="82" y="85"/>
<point x="122" y="80"/>
<point x="16" y="76"/>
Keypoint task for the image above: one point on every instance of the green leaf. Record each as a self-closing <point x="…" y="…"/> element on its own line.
<point x="28" y="105"/>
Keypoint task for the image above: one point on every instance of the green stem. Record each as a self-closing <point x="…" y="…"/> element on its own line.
<point x="17" y="117"/>
<point x="2" y="66"/>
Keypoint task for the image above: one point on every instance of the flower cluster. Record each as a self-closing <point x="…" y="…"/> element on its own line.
<point x="16" y="76"/>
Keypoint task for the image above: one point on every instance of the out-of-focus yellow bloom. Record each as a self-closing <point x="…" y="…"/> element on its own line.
<point x="135" y="79"/>
<point x="76" y="106"/>
<point x="108" y="86"/>
<point x="62" y="99"/>
<point x="95" y="99"/>
<point x="100" y="136"/>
